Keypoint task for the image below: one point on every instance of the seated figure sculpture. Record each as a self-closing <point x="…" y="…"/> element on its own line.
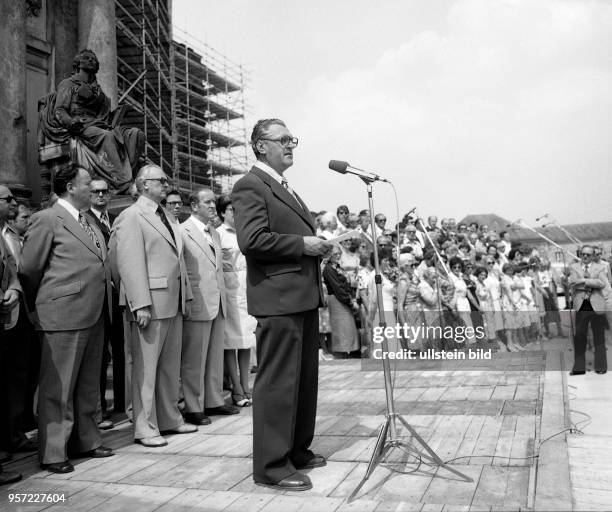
<point x="80" y="110"/>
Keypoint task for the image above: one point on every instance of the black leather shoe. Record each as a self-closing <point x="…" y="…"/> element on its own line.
<point x="197" y="418"/>
<point x="222" y="410"/>
<point x="59" y="467"/>
<point x="9" y="477"/>
<point x="577" y="372"/>
<point x="318" y="461"/>
<point x="295" y="482"/>
<point x="98" y="453"/>
<point x="601" y="372"/>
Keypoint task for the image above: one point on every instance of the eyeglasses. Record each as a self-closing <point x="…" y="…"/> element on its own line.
<point x="9" y="199"/>
<point x="174" y="203"/>
<point x="102" y="191"/>
<point x="162" y="181"/>
<point x="586" y="254"/>
<point x="285" y="141"/>
<point x="490" y="263"/>
<point x="381" y="220"/>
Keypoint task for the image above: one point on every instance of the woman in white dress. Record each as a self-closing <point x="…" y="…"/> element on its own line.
<point x="239" y="325"/>
<point x="460" y="302"/>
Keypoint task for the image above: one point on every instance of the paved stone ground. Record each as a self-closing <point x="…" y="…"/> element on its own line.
<point x="488" y="422"/>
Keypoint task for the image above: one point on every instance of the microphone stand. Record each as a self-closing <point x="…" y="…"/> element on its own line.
<point x="388" y="439"/>
<point x="521" y="223"/>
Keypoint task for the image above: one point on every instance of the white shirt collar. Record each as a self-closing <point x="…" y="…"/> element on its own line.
<point x="71" y="209"/>
<point x="268" y="170"/>
<point x="200" y="225"/>
<point x="98" y="213"/>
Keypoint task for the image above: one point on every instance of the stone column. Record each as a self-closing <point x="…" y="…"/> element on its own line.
<point x="13" y="95"/>
<point x="97" y="32"/>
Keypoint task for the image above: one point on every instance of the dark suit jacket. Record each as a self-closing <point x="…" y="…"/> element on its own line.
<point x="105" y="231"/>
<point x="270" y="226"/>
<point x="64" y="277"/>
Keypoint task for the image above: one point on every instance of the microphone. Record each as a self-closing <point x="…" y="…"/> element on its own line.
<point x="542" y="217"/>
<point x="344" y="167"/>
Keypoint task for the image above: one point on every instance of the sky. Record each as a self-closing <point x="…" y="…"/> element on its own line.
<point x="467" y="106"/>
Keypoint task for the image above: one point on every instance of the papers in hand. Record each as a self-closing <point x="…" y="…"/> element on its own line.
<point x="354" y="233"/>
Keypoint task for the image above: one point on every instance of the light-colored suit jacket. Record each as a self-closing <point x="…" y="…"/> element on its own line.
<point x="205" y="271"/>
<point x="65" y="277"/>
<point x="149" y="262"/>
<point x="596" y="282"/>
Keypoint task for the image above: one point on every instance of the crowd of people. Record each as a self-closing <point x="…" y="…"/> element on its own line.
<point x="445" y="274"/>
<point x="80" y="287"/>
<point x="164" y="301"/>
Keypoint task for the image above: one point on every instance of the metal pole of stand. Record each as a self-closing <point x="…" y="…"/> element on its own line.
<point x="388" y="439"/>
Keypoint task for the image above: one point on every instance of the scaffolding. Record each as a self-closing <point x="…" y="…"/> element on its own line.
<point x="185" y="96"/>
<point x="209" y="106"/>
<point x="146" y="77"/>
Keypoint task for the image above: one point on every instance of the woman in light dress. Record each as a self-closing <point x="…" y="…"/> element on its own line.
<point x="510" y="307"/>
<point x="460" y="302"/>
<point x="409" y="310"/>
<point x="239" y="325"/>
<point x="389" y="274"/>
<point x="489" y="295"/>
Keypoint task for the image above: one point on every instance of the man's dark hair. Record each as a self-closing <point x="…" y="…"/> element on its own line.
<point x="63" y="177"/>
<point x="223" y="202"/>
<point x="173" y="192"/>
<point x="260" y="129"/>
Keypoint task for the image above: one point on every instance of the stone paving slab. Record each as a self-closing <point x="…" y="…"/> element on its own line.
<point x="487" y="424"/>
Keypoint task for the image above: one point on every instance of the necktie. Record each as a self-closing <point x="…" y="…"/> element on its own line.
<point x="209" y="238"/>
<point x="160" y="212"/>
<point x="88" y="229"/>
<point x="105" y="220"/>
<point x="286" y="186"/>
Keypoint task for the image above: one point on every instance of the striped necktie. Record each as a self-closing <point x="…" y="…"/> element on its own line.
<point x="88" y="229"/>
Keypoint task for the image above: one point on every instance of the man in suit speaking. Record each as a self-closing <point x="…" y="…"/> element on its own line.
<point x="276" y="233"/>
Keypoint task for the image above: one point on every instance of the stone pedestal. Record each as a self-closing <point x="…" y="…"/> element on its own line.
<point x="13" y="95"/>
<point x="97" y="32"/>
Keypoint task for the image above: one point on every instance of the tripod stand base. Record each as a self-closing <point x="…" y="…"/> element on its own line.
<point x="384" y="446"/>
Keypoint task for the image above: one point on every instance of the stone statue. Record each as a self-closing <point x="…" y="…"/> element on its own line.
<point x="80" y="110"/>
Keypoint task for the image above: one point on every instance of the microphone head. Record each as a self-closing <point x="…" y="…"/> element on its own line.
<point x="338" y="166"/>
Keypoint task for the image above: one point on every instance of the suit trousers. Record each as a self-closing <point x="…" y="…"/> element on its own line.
<point x="127" y="353"/>
<point x="284" y="394"/>
<point x="15" y="349"/>
<point x="156" y="364"/>
<point x="202" y="364"/>
<point x="585" y="316"/>
<point x="115" y="341"/>
<point x="69" y="392"/>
